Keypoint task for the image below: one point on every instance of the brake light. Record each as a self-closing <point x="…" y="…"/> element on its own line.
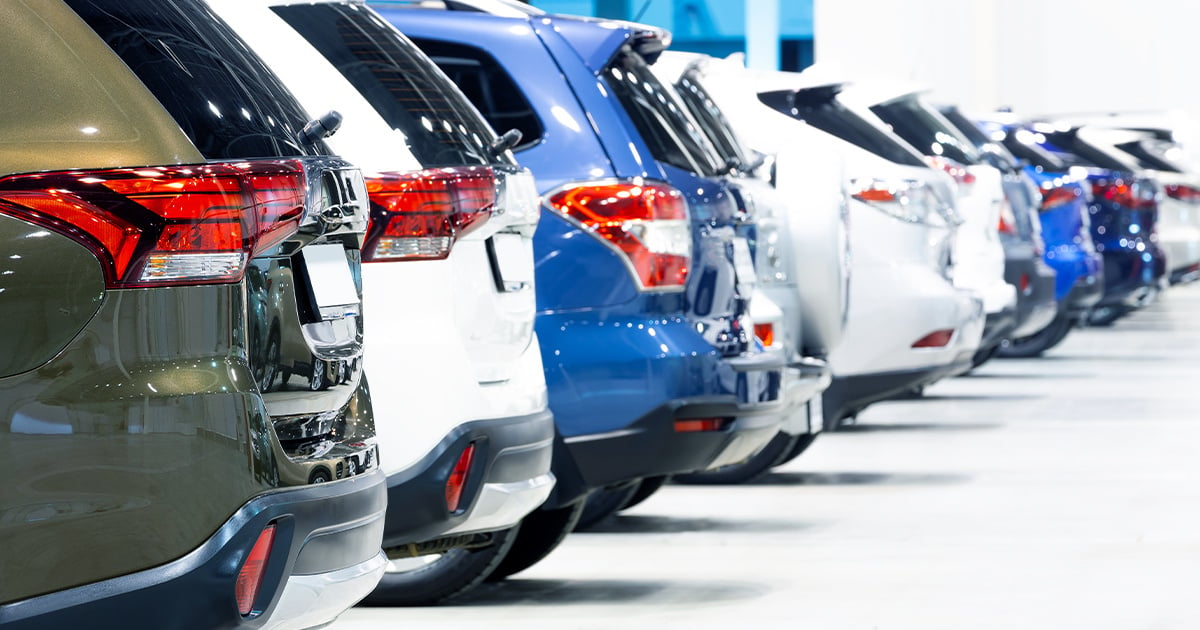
<point x="249" y="579"/>
<point x="961" y="175"/>
<point x="166" y="225"/>
<point x="1183" y="192"/>
<point x="765" y="333"/>
<point x="909" y="201"/>
<point x="1133" y="195"/>
<point x="1008" y="220"/>
<point x="700" y="425"/>
<point x="419" y="215"/>
<point x="458" y="478"/>
<point x="935" y="339"/>
<point x="1060" y="196"/>
<point x="647" y="223"/>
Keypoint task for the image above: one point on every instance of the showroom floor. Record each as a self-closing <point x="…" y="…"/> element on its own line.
<point x="1058" y="493"/>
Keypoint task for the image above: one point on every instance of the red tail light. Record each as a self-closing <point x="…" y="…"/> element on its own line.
<point x="458" y="478"/>
<point x="1058" y="197"/>
<point x="765" y="333"/>
<point x="646" y="223"/>
<point x="1008" y="220"/>
<point x="1183" y="192"/>
<point x="250" y="576"/>
<point x="419" y="215"/>
<point x="1132" y="195"/>
<point x="1026" y="286"/>
<point x="699" y="425"/>
<point x="166" y="225"/>
<point x="959" y="172"/>
<point x="935" y="339"/>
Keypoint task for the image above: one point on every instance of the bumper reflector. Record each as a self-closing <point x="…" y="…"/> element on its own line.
<point x="697" y="425"/>
<point x="458" y="478"/>
<point x="250" y="576"/>
<point x="935" y="339"/>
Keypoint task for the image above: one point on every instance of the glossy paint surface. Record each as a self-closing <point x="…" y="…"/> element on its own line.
<point x="1065" y="230"/>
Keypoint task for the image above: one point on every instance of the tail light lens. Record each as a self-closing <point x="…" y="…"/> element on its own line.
<point x="1060" y="196"/>
<point x="458" y="478"/>
<point x="700" y="425"/>
<point x="935" y="339"/>
<point x="765" y="333"/>
<point x="646" y="223"/>
<point x="1025" y="285"/>
<point x="419" y="215"/>
<point x="166" y="225"/>
<point x="910" y="201"/>
<point x="1183" y="192"/>
<point x="961" y="175"/>
<point x="1134" y="195"/>
<point x="1008" y="220"/>
<point x="249" y="579"/>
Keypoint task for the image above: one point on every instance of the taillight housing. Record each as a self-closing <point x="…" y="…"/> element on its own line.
<point x="963" y="177"/>
<point x="419" y="215"/>
<point x="1008" y="219"/>
<point x="1183" y="192"/>
<point x="250" y="576"/>
<point x="1133" y="195"/>
<point x="1059" y="196"/>
<point x="646" y="223"/>
<point x="910" y="201"/>
<point x="458" y="478"/>
<point x="166" y="225"/>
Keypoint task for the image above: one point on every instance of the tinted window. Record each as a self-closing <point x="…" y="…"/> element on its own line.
<point x="663" y="125"/>
<point x="221" y="94"/>
<point x="1151" y="154"/>
<point x="400" y="82"/>
<point x="821" y="109"/>
<point x="488" y="87"/>
<point x="1023" y="144"/>
<point x="927" y="130"/>
<point x="712" y="121"/>
<point x="994" y="153"/>
<point x="1076" y="152"/>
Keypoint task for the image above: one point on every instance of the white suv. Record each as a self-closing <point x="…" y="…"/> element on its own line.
<point x="465" y="435"/>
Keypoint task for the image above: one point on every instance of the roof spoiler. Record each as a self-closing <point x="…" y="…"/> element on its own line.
<point x="789" y="101"/>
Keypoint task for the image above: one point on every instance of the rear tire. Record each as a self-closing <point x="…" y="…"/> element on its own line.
<point x="541" y="532"/>
<point x="602" y="504"/>
<point x="1037" y="343"/>
<point x="798" y="448"/>
<point x="758" y="465"/>
<point x="646" y="489"/>
<point x="447" y="576"/>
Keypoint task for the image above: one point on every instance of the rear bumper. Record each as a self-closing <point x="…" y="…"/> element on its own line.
<point x="1084" y="295"/>
<point x="803" y="381"/>
<point x="325" y="557"/>
<point x="1036" y="303"/>
<point x="848" y="395"/>
<point x="508" y="478"/>
<point x="1130" y="275"/>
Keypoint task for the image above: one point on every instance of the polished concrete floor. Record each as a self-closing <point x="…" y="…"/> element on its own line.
<point x="1061" y="492"/>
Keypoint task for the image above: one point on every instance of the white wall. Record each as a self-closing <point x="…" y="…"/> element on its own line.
<point x="1039" y="56"/>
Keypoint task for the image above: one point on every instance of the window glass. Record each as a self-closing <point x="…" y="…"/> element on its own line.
<point x="927" y="130"/>
<point x="821" y="109"/>
<point x="712" y="121"/>
<point x="488" y="86"/>
<point x="663" y="125"/>
<point x="221" y="94"/>
<point x="399" y="81"/>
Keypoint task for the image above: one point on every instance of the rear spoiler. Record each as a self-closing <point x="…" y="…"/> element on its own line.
<point x="789" y="101"/>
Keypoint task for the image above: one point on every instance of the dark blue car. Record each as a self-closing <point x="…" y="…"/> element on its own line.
<point x="643" y="266"/>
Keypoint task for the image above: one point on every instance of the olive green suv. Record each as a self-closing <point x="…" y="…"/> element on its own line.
<point x="186" y="437"/>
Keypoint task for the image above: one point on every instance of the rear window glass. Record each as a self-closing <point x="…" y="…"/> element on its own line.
<point x="821" y="109"/>
<point x="711" y="120"/>
<point x="399" y="81"/>
<point x="927" y="130"/>
<point x="1153" y="154"/>
<point x="489" y="87"/>
<point x="221" y="94"/>
<point x="1075" y="152"/>
<point x="1024" y="144"/>
<point x="996" y="151"/>
<point x="665" y="128"/>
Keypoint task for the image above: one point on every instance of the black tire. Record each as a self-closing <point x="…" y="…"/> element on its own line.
<point x="270" y="367"/>
<point x="1037" y="343"/>
<point x="541" y="532"/>
<point x="602" y="504"/>
<point x="983" y="355"/>
<point x="758" y="464"/>
<point x="798" y="448"/>
<point x="452" y="574"/>
<point x="646" y="489"/>
<point x="1106" y="315"/>
<point x="318" y="378"/>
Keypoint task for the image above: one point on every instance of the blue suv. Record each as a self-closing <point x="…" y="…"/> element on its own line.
<point x="644" y="269"/>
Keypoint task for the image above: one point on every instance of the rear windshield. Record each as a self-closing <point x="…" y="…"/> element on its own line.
<point x="400" y="82"/>
<point x="221" y="94"/>
<point x="671" y="136"/>
<point x="1024" y="144"/>
<point x="711" y="120"/>
<point x="1069" y="148"/>
<point x="821" y="109"/>
<point x="927" y="130"/>
<point x="489" y="87"/>
<point x="1152" y="154"/>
